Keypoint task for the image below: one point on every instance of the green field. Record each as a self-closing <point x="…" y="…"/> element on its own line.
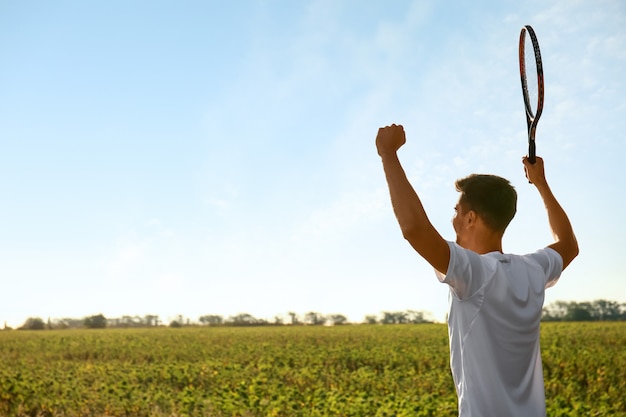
<point x="359" y="370"/>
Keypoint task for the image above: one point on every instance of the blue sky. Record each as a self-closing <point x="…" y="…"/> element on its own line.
<point x="218" y="157"/>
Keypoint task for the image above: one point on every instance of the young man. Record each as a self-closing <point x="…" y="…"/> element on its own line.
<point x="496" y="299"/>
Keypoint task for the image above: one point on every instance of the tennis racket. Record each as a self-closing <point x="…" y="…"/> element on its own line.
<point x="531" y="73"/>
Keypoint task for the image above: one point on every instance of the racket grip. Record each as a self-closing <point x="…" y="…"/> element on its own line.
<point x="531" y="152"/>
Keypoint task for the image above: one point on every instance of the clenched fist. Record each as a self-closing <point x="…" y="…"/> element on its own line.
<point x="390" y="139"/>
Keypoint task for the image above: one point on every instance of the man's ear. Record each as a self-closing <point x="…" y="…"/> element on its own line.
<point x="471" y="217"/>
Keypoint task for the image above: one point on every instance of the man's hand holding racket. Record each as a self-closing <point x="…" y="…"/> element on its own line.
<point x="534" y="171"/>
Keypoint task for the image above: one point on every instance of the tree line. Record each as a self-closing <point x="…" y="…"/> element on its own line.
<point x="599" y="310"/>
<point x="311" y="318"/>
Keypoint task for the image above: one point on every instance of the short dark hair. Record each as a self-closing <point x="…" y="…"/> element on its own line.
<point x="492" y="198"/>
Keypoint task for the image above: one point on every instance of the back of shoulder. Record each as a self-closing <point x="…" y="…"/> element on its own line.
<point x="467" y="271"/>
<point x="550" y="262"/>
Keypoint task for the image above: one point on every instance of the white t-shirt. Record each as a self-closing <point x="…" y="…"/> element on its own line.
<point x="496" y="302"/>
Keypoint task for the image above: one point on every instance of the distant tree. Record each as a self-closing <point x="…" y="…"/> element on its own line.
<point x="388" y="318"/>
<point x="95" y="322"/>
<point x="243" y="319"/>
<point x="608" y="310"/>
<point x="151" y="320"/>
<point x="211" y="320"/>
<point x="584" y="311"/>
<point x="314" y="318"/>
<point x="398" y="317"/>
<point x="556" y="311"/>
<point x="402" y="317"/>
<point x="294" y="317"/>
<point x="579" y="313"/>
<point x="416" y="317"/>
<point x="68" y="323"/>
<point x="175" y="324"/>
<point x="371" y="319"/>
<point x="33" y="323"/>
<point x="337" y="319"/>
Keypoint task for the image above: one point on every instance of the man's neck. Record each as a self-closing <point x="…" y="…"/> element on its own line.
<point x="484" y="244"/>
<point x="481" y="250"/>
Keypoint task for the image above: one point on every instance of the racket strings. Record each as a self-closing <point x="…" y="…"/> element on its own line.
<point x="532" y="79"/>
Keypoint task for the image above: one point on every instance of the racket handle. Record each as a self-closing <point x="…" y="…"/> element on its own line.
<point x="531" y="152"/>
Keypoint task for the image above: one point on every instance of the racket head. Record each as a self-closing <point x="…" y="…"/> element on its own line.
<point x="531" y="72"/>
<point x="531" y="75"/>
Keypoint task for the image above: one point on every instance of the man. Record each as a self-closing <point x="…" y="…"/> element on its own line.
<point x="496" y="299"/>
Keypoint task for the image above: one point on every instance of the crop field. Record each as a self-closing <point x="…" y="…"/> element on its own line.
<point x="352" y="370"/>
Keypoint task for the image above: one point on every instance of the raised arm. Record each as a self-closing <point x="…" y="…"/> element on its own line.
<point x="414" y="223"/>
<point x="564" y="239"/>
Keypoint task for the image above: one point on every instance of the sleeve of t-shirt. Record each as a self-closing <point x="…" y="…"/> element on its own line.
<point x="467" y="272"/>
<point x="551" y="262"/>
